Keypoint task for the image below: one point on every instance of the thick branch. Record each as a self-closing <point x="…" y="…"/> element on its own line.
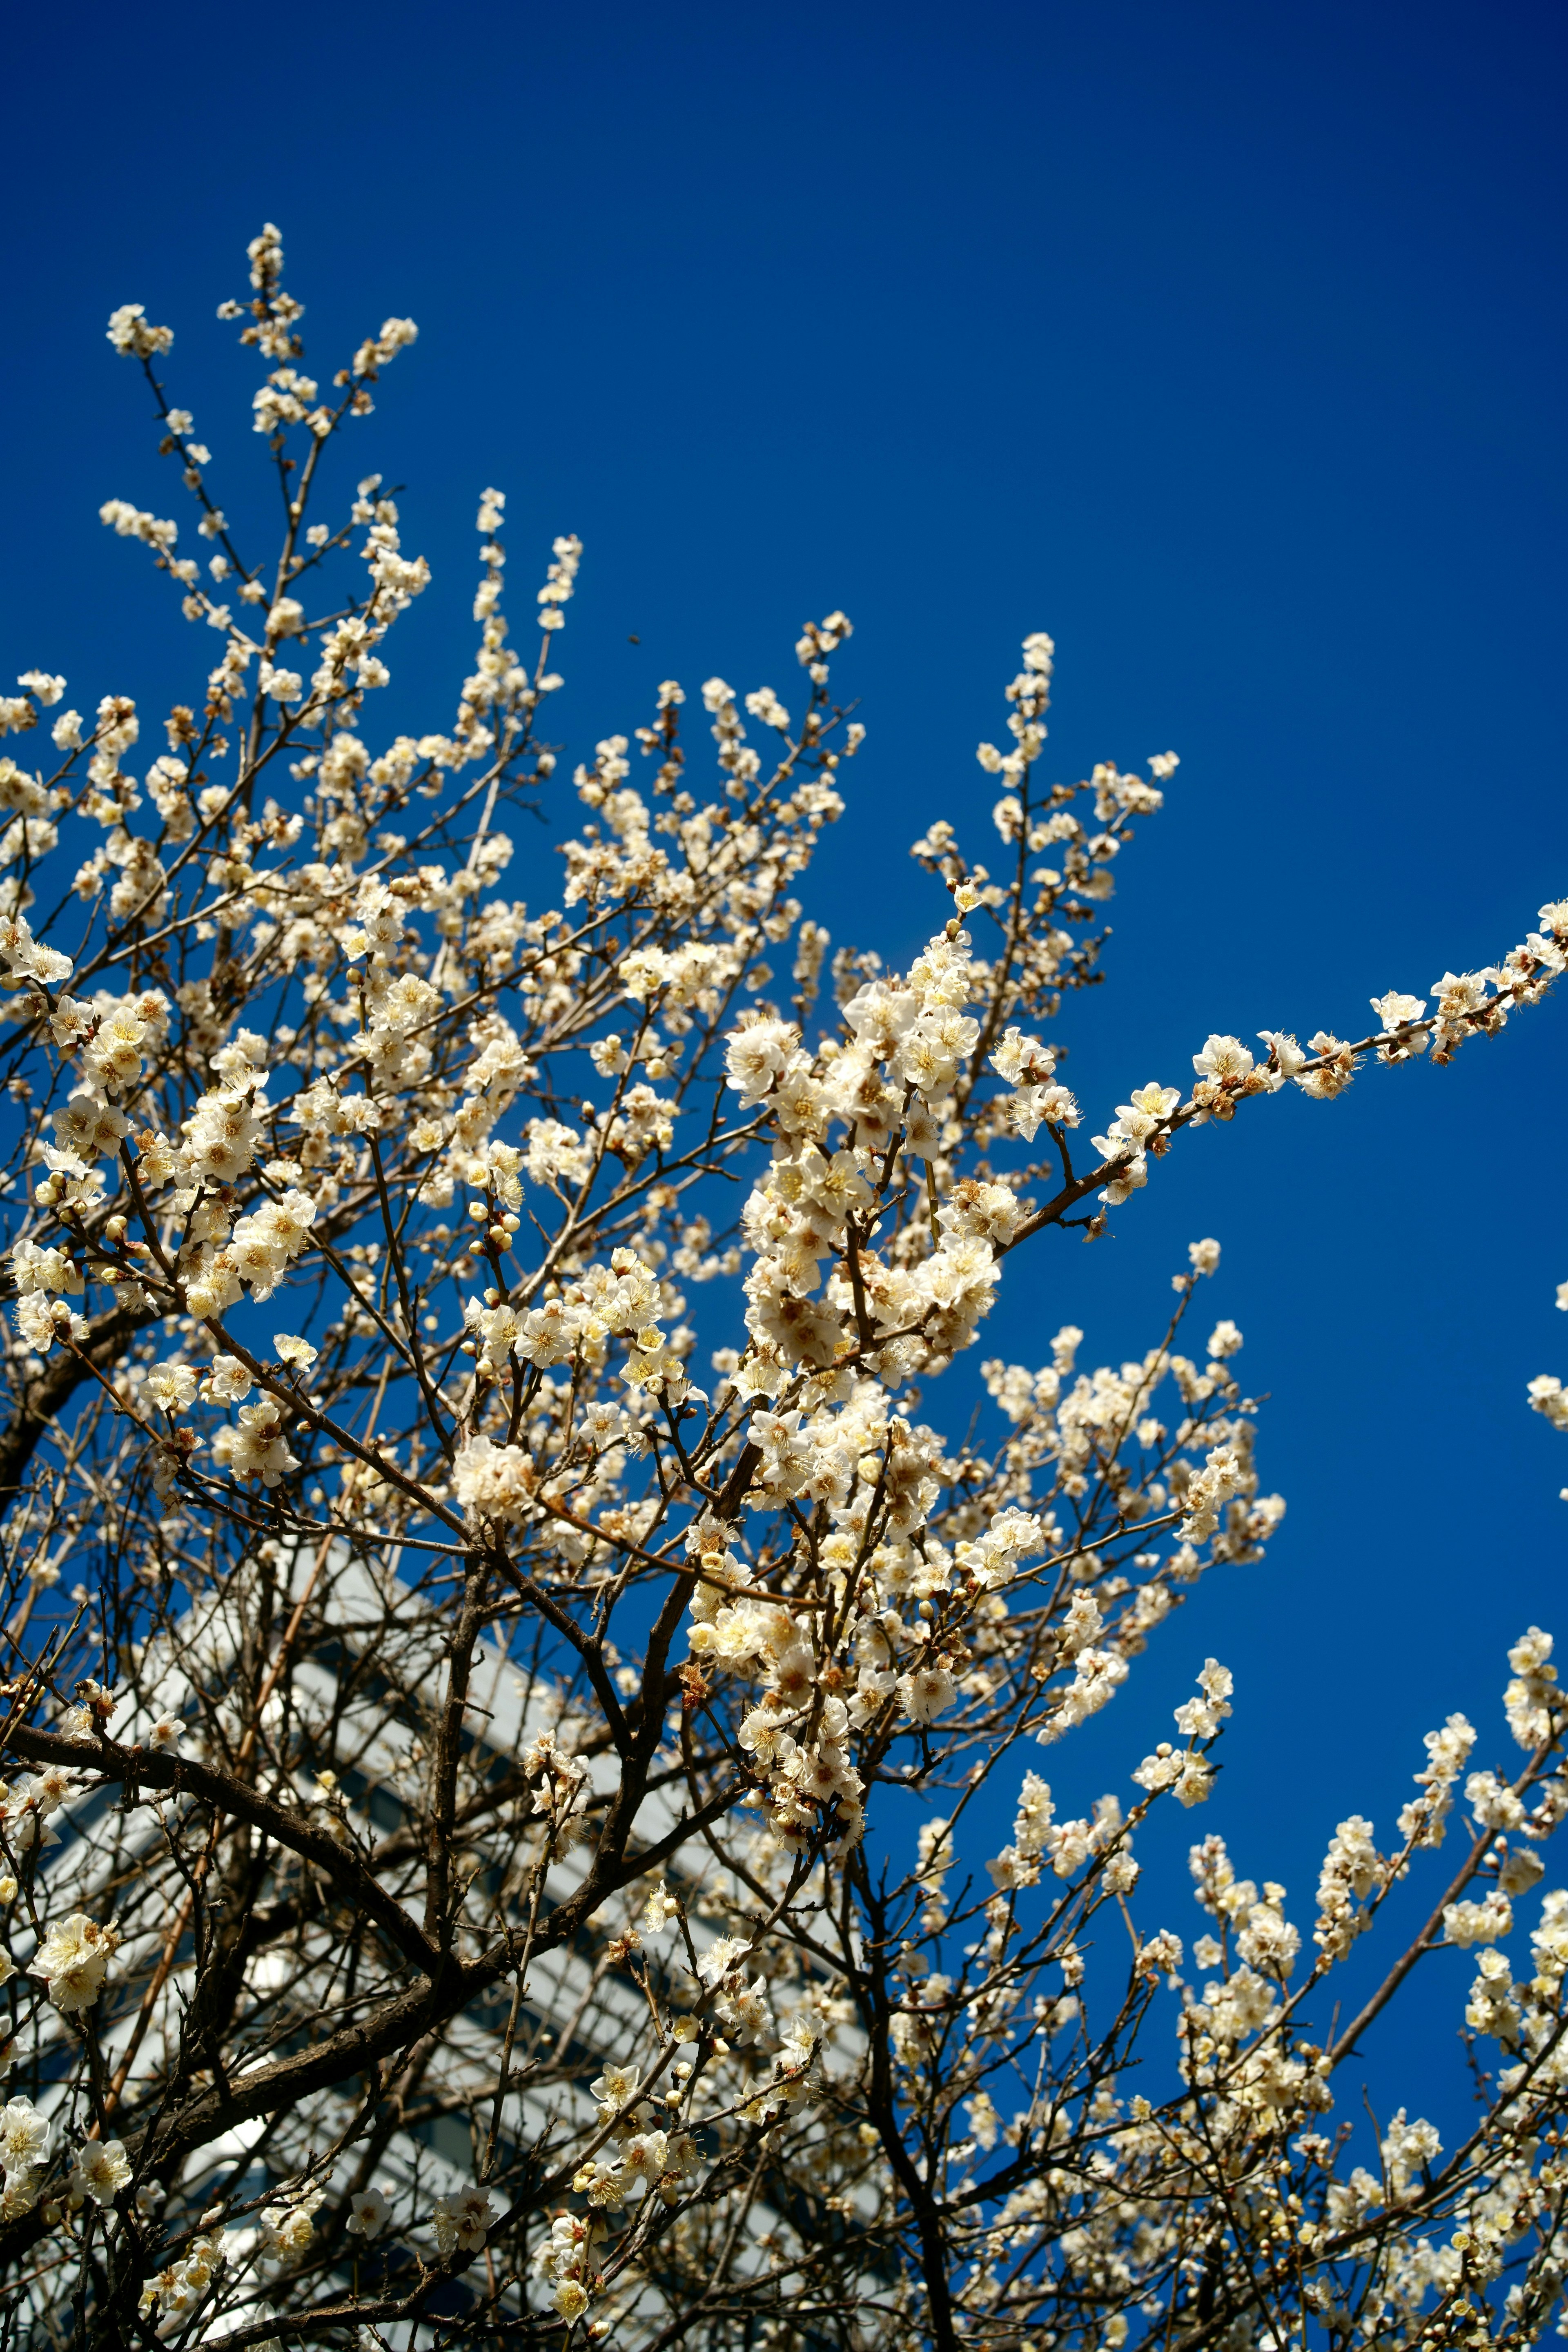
<point x="45" y="1396"/>
<point x="153" y="1768"/>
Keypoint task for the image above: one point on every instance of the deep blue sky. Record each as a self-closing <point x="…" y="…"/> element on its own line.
<point x="1228" y="343"/>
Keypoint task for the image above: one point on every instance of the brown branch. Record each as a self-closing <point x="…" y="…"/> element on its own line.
<point x="153" y="1768"/>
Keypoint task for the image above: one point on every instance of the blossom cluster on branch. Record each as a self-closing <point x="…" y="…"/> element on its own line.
<point x="514" y="1710"/>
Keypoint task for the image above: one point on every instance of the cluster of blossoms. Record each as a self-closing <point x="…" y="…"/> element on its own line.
<point x="552" y="1727"/>
<point x="177" y="2292"/>
<point x="73" y="1959"/>
<point x="26" y="2138"/>
<point x="99" y="2169"/>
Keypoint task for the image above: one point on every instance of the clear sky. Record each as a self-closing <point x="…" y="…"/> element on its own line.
<point x="1225" y="342"/>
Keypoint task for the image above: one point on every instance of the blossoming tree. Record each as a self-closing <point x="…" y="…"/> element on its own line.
<point x="500" y="1845"/>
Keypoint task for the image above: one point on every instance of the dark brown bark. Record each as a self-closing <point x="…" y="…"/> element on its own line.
<point x="45" y="1396"/>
